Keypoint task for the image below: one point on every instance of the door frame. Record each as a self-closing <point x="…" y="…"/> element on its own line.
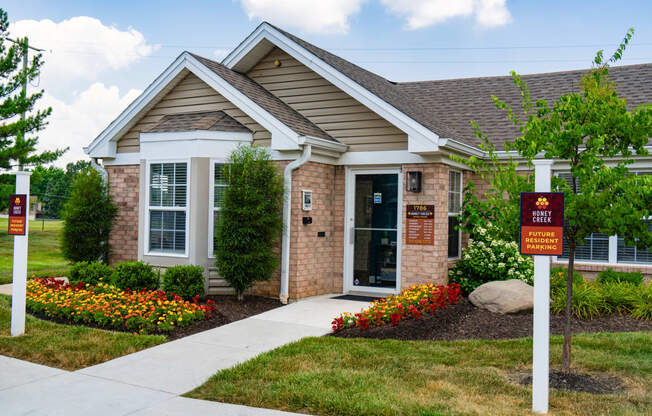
<point x="349" y="221"/>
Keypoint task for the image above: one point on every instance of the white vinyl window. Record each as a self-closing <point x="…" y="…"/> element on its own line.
<point x="454" y="211"/>
<point x="600" y="247"/>
<point x="167" y="213"/>
<point x="218" y="185"/>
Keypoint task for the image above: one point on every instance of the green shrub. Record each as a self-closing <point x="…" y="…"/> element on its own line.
<point x="586" y="302"/>
<point x="559" y="276"/>
<point x="90" y="273"/>
<point x="88" y="217"/>
<point x="488" y="258"/>
<point x="250" y="221"/>
<point x="185" y="281"/>
<point x="642" y="302"/>
<point x="135" y="275"/>
<point x="610" y="275"/>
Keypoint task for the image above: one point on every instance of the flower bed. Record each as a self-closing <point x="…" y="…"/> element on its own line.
<point x="411" y="303"/>
<point x="104" y="305"/>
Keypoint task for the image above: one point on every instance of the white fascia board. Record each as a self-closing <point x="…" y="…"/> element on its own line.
<point x="188" y="144"/>
<point x="115" y="128"/>
<point x="283" y="137"/>
<point x="323" y="143"/>
<point x="120" y="159"/>
<point x="427" y="139"/>
<point x="462" y="147"/>
<point x="196" y="135"/>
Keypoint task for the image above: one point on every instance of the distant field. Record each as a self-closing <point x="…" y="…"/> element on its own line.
<point x="44" y="259"/>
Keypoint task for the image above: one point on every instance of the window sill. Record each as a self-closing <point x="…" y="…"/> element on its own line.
<point x="165" y="254"/>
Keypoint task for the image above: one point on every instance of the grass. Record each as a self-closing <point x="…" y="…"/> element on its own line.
<point x="44" y="258"/>
<point x="66" y="346"/>
<point x="334" y="376"/>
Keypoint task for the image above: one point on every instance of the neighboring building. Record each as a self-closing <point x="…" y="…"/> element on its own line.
<point x="356" y="138"/>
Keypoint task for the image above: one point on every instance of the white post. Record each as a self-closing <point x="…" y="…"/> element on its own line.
<point x="541" y="327"/>
<point x="20" y="263"/>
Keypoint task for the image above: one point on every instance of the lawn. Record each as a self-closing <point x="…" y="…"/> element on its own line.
<point x="66" y="346"/>
<point x="44" y="258"/>
<point x="333" y="376"/>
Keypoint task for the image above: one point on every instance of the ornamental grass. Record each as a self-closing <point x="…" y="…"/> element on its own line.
<point x="106" y="306"/>
<point x="411" y="303"/>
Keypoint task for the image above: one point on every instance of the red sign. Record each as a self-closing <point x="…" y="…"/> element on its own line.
<point x="420" y="224"/>
<point x="542" y="223"/>
<point x="17" y="214"/>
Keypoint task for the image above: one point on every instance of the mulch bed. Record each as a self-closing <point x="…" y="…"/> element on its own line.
<point x="229" y="309"/>
<point x="594" y="384"/>
<point x="465" y="321"/>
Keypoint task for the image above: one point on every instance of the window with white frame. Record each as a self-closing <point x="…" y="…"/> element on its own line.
<point x="168" y="207"/>
<point x="218" y="185"/>
<point x="596" y="247"/>
<point x="454" y="210"/>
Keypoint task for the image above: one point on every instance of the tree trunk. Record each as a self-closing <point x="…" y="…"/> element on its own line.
<point x="566" y="352"/>
<point x="240" y="296"/>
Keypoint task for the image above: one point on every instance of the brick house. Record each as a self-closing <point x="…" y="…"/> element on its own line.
<point x="358" y="152"/>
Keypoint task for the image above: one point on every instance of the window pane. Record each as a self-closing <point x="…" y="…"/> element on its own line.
<point x="168" y="231"/>
<point x="180" y="196"/>
<point x="180" y="173"/>
<point x="219" y="174"/>
<point x="154" y="240"/>
<point x="454" y="191"/>
<point x="216" y="219"/>
<point x="218" y="196"/>
<point x="453" y="237"/>
<point x="168" y="241"/>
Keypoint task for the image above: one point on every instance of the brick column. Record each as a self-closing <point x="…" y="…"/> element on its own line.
<point x="123" y="186"/>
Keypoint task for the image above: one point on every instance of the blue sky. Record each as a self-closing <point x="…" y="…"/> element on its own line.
<point x="100" y="55"/>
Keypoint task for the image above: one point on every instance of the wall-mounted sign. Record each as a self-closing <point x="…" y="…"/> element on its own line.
<point x="542" y="223"/>
<point x="420" y="224"/>
<point x="17" y="214"/>
<point x="378" y="198"/>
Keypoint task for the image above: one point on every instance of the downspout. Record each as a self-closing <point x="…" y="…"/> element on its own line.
<point x="100" y="169"/>
<point x="287" y="204"/>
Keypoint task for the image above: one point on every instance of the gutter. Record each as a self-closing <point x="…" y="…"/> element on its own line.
<point x="287" y="204"/>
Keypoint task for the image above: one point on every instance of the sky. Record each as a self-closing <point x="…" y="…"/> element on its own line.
<point x="100" y="55"/>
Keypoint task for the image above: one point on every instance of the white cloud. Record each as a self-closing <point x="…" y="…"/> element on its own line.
<point x="81" y="47"/>
<point x="77" y="123"/>
<point x="325" y="16"/>
<point x="423" y="13"/>
<point x="220" y="54"/>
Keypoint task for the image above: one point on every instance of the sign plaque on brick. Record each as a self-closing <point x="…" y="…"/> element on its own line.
<point x="17" y="214"/>
<point x="542" y="223"/>
<point x="420" y="224"/>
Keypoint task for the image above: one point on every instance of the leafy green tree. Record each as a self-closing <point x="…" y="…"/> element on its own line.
<point x="52" y="185"/>
<point x="17" y="140"/>
<point x="250" y="221"/>
<point x="88" y="217"/>
<point x="587" y="128"/>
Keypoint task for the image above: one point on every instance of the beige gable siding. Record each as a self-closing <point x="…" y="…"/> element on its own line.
<point x="324" y="104"/>
<point x="189" y="96"/>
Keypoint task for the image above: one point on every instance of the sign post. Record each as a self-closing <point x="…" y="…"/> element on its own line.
<point x="542" y="221"/>
<point x="19" y="228"/>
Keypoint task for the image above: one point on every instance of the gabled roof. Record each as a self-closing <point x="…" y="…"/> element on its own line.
<point x="210" y="121"/>
<point x="461" y="100"/>
<point x="266" y="100"/>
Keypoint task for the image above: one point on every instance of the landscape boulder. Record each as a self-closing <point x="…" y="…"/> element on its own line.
<point x="503" y="296"/>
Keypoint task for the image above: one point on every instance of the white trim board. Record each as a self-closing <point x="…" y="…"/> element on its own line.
<point x="420" y="138"/>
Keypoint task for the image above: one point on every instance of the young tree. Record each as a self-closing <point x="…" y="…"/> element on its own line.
<point x="595" y="133"/>
<point x="53" y="185"/>
<point x="17" y="140"/>
<point x="250" y="220"/>
<point x="88" y="217"/>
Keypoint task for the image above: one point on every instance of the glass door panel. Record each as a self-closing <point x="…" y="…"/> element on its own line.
<point x="375" y="230"/>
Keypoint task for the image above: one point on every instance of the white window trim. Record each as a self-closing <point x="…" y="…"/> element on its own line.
<point x="613" y="244"/>
<point x="149" y="208"/>
<point x="211" y="196"/>
<point x="458" y="214"/>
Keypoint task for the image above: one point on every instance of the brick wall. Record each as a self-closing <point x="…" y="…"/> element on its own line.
<point x="123" y="186"/>
<point x="427" y="263"/>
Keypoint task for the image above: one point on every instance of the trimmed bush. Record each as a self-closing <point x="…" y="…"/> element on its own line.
<point x="609" y="275"/>
<point x="90" y="273"/>
<point x="488" y="258"/>
<point x="135" y="275"/>
<point x="185" y="281"/>
<point x="88" y="217"/>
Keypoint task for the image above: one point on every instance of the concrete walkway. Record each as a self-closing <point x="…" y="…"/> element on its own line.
<point x="6" y="289"/>
<point x="149" y="382"/>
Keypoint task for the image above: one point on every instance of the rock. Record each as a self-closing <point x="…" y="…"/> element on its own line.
<point x="503" y="296"/>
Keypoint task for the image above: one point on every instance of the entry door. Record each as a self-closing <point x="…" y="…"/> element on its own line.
<point x="374" y="233"/>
